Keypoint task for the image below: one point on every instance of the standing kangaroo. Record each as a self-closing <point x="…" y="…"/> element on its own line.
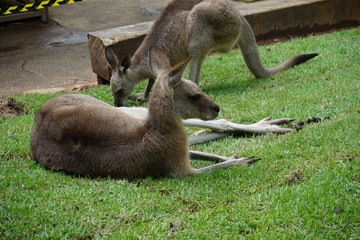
<point x="192" y="28"/>
<point x="82" y="135"/>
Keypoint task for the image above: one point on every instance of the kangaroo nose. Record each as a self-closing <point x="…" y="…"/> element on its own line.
<point x="118" y="104"/>
<point x="119" y="98"/>
<point x="216" y="108"/>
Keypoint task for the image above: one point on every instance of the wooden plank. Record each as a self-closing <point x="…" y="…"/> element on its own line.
<point x="279" y="17"/>
<point x="124" y="40"/>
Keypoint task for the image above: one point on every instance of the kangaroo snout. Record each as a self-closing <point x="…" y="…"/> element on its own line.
<point x="212" y="113"/>
<point x="119" y="99"/>
<point x="216" y="109"/>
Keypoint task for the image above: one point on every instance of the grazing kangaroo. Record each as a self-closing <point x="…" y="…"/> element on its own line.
<point x="192" y="28"/>
<point x="82" y="135"/>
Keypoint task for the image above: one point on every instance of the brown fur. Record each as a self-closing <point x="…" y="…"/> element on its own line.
<point x="82" y="135"/>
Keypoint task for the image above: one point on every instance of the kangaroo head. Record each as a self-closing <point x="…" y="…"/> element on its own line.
<point x="189" y="101"/>
<point x="121" y="85"/>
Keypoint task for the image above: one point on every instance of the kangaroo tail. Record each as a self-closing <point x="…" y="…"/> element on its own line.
<point x="249" y="49"/>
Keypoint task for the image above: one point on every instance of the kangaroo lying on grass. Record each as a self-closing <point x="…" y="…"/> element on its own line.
<point x="192" y="28"/>
<point x="82" y="135"/>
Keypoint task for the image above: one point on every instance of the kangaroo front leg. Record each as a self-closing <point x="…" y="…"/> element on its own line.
<point x="246" y="161"/>
<point x="149" y="85"/>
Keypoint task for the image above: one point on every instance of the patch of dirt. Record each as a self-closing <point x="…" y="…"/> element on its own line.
<point x="81" y="87"/>
<point x="338" y="210"/>
<point x="348" y="156"/>
<point x="295" y="177"/>
<point x="299" y="125"/>
<point x="67" y="89"/>
<point x="11" y="107"/>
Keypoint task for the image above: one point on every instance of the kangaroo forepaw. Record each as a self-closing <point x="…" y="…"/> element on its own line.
<point x="143" y="101"/>
<point x="139" y="97"/>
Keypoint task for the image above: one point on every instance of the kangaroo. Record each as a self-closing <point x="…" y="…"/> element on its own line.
<point x="81" y="135"/>
<point x="192" y="28"/>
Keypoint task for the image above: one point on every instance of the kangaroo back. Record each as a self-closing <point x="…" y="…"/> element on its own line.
<point x="79" y="134"/>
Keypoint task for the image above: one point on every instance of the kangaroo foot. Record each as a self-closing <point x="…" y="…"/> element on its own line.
<point x="246" y="161"/>
<point x="267" y="125"/>
<point x="223" y="126"/>
<point x="232" y="161"/>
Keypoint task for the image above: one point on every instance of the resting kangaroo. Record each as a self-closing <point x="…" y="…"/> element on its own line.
<point x="193" y="28"/>
<point x="82" y="135"/>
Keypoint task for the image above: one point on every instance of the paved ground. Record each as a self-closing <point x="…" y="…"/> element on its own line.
<point x="34" y="55"/>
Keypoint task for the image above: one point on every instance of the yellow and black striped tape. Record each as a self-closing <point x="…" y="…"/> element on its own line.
<point x="36" y="6"/>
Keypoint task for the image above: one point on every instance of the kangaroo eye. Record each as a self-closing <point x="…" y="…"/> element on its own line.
<point x="195" y="97"/>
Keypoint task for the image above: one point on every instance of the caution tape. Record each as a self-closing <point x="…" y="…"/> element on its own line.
<point x="36" y="6"/>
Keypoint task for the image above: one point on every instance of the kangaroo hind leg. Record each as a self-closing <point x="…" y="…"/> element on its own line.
<point x="211" y="25"/>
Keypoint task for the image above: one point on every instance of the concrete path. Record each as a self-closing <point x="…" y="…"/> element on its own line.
<point x="34" y="55"/>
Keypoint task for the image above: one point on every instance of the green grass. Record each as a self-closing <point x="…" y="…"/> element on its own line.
<point x="305" y="187"/>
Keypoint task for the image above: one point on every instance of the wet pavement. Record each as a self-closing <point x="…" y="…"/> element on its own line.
<point x="36" y="55"/>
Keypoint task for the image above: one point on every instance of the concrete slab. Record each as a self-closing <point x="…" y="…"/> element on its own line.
<point x="46" y="68"/>
<point x="96" y="15"/>
<point x="27" y="36"/>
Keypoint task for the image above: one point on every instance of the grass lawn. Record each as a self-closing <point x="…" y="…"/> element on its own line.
<point x="305" y="187"/>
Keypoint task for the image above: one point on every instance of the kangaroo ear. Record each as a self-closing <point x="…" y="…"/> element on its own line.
<point x="176" y="73"/>
<point x="125" y="63"/>
<point x="111" y="58"/>
<point x="158" y="61"/>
